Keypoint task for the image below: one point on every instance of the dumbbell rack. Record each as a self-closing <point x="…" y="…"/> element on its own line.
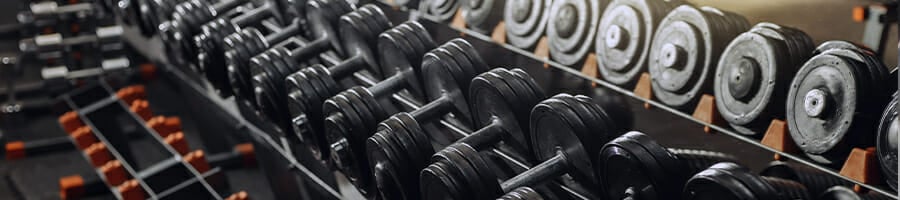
<point x="431" y="21"/>
<point x="96" y="106"/>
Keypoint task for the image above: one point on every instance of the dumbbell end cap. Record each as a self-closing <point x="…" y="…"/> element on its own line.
<point x="71" y="187"/>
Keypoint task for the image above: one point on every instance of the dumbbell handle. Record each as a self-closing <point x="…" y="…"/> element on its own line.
<point x="347" y="67"/>
<point x="311" y="49"/>
<point x="254" y="15"/>
<point x="390" y="85"/>
<point x="485" y="136"/>
<point x="434" y="109"/>
<point x="553" y="167"/>
<point x="284" y="34"/>
<point x="226" y="5"/>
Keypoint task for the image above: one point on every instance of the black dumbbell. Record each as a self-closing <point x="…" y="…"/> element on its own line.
<point x="324" y="17"/>
<point x="400" y="54"/>
<point x="440" y="10"/>
<point x="208" y="41"/>
<point x="815" y="180"/>
<point x="237" y="48"/>
<point x="572" y="28"/>
<point x="499" y="100"/>
<point x="623" y="43"/>
<point x="526" y="21"/>
<point x="482" y="15"/>
<point x="152" y="13"/>
<point x="754" y="71"/>
<point x="634" y="166"/>
<point x="359" y="31"/>
<point x="565" y="131"/>
<point x="177" y="34"/>
<point x="446" y="72"/>
<point x="886" y="142"/>
<point x="832" y="100"/>
<point x="56" y="42"/>
<point x="685" y="51"/>
<point x="846" y="193"/>
<point x="728" y="180"/>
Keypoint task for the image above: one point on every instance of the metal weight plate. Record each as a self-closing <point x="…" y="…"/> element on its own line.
<point x="494" y="99"/>
<point x="352" y="160"/>
<point x="444" y="77"/>
<point x="623" y="41"/>
<point x="441" y="10"/>
<point x="468" y="178"/>
<point x="557" y="126"/>
<point x="482" y="15"/>
<point x="382" y="162"/>
<point x="685" y="51"/>
<point x="727" y="181"/>
<point x="822" y="104"/>
<point x="634" y="163"/>
<point x="572" y="27"/>
<point x="400" y="51"/>
<point x="522" y="193"/>
<point x="309" y="129"/>
<point x="748" y="81"/>
<point x="413" y="149"/>
<point x="359" y="40"/>
<point x="323" y="18"/>
<point x="237" y="60"/>
<point x="248" y="40"/>
<point x="886" y="145"/>
<point x="526" y="21"/>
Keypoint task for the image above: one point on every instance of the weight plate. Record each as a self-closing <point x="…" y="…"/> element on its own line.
<point x="526" y="21"/>
<point x="685" y="50"/>
<point x="397" y="54"/>
<point x="445" y="178"/>
<point x="572" y="27"/>
<point x="623" y="43"/>
<point x="522" y="193"/>
<point x="846" y="193"/>
<point x="301" y="95"/>
<point x="557" y="127"/>
<point x="358" y="41"/>
<point x="748" y="82"/>
<point x="482" y="15"/>
<point x="323" y="17"/>
<point x="380" y="154"/>
<point x="473" y="179"/>
<point x="443" y="75"/>
<point x="485" y="172"/>
<point x="494" y="99"/>
<point x="422" y="139"/>
<point x="345" y="160"/>
<point x="633" y="163"/>
<point x="441" y="10"/>
<point x="887" y="141"/>
<point x="727" y="181"/>
<point x="822" y="104"/>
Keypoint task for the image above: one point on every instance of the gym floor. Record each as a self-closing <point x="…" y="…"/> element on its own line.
<point x="822" y="19"/>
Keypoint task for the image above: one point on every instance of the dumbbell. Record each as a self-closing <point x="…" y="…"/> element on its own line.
<point x="177" y="33"/>
<point x="623" y="41"/>
<point x="886" y="143"/>
<point x="359" y="31"/>
<point x="324" y="18"/>
<point x="634" y="166"/>
<point x="500" y="101"/>
<point x="816" y="181"/>
<point x="525" y="21"/>
<point x="440" y="10"/>
<point x="446" y="71"/>
<point x="565" y="131"/>
<point x="208" y="41"/>
<point x="728" y="180"/>
<point x="482" y="15"/>
<point x="685" y="50"/>
<point x="753" y="73"/>
<point x="833" y="99"/>
<point x="401" y="49"/>
<point x="249" y="41"/>
<point x="56" y="42"/>
<point x="845" y="193"/>
<point x="572" y="28"/>
<point x="152" y="13"/>
<point x="164" y="172"/>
